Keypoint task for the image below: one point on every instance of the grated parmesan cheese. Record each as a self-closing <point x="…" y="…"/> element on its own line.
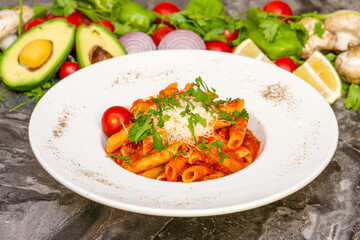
<point x="177" y="127"/>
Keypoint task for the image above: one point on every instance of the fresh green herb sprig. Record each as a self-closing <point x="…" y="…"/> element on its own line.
<point x="217" y="144"/>
<point x="118" y="156"/>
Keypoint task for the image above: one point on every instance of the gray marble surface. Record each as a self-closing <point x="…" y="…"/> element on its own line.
<point x="33" y="205"/>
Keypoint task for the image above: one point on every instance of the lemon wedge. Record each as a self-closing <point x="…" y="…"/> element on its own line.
<point x="320" y="73"/>
<point x="249" y="49"/>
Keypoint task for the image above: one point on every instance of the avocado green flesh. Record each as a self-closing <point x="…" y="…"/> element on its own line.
<point x="93" y="37"/>
<point x="18" y="77"/>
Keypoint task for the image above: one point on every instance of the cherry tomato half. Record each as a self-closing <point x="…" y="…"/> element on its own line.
<point x="278" y="7"/>
<point x="165" y="9"/>
<point x="107" y="24"/>
<point x="230" y="36"/>
<point x="33" y="22"/>
<point x="114" y="118"/>
<point x="218" y="46"/>
<point x="77" y="18"/>
<point x="286" y="63"/>
<point x="159" y="33"/>
<point x="68" y="68"/>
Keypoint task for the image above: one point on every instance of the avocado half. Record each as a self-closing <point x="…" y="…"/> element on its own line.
<point x="20" y="77"/>
<point x="94" y="43"/>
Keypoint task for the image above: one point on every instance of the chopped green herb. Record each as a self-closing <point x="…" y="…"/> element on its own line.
<point x="118" y="156"/>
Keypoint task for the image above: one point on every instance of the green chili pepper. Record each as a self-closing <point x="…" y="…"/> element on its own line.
<point x="133" y="16"/>
<point x="272" y="35"/>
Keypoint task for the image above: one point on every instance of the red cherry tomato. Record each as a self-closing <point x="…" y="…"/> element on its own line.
<point x="77" y="18"/>
<point x="278" y="7"/>
<point x="107" y="24"/>
<point x="165" y="9"/>
<point x="218" y="46"/>
<point x="159" y="34"/>
<point x="286" y="63"/>
<point x="230" y="36"/>
<point x="114" y="118"/>
<point x="34" y="22"/>
<point x="68" y="68"/>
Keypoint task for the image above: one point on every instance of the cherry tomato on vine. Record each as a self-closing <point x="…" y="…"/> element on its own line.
<point x="68" y="68"/>
<point x="218" y="46"/>
<point x="107" y="24"/>
<point x="159" y="33"/>
<point x="286" y="63"/>
<point x="77" y="18"/>
<point x="114" y="118"/>
<point x="33" y="22"/>
<point x="165" y="9"/>
<point x="278" y="7"/>
<point x="230" y="36"/>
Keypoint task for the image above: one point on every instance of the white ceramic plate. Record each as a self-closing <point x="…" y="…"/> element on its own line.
<point x="297" y="128"/>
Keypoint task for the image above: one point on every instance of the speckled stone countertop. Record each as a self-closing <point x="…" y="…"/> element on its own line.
<point x="33" y="205"/>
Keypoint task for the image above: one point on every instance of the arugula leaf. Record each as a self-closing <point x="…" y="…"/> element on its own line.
<point x="319" y="29"/>
<point x="353" y="99"/>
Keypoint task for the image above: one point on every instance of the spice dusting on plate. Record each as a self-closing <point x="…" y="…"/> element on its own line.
<point x="61" y="125"/>
<point x="275" y="92"/>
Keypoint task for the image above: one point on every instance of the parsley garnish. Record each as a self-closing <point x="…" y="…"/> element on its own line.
<point x="243" y="114"/>
<point x="125" y="158"/>
<point x="319" y="29"/>
<point x="219" y="144"/>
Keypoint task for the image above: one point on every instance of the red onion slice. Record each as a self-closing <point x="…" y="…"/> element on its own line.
<point x="182" y="39"/>
<point x="134" y="42"/>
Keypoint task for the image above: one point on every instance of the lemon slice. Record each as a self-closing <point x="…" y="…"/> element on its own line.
<point x="321" y="74"/>
<point x="249" y="49"/>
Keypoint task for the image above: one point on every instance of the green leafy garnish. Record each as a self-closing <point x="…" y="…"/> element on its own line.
<point x="118" y="156"/>
<point x="319" y="29"/>
<point x="243" y="114"/>
<point x="64" y="7"/>
<point x="40" y="11"/>
<point x="269" y="27"/>
<point x="219" y="144"/>
<point x="353" y="98"/>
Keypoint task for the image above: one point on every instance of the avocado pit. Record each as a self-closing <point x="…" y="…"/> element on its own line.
<point x="35" y="54"/>
<point x="98" y="54"/>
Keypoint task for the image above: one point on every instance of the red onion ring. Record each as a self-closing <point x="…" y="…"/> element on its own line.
<point x="182" y="39"/>
<point x="134" y="42"/>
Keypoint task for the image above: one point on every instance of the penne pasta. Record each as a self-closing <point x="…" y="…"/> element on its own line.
<point x="174" y="167"/>
<point x="118" y="139"/>
<point x="153" y="172"/>
<point x="154" y="160"/>
<point x="195" y="173"/>
<point x="237" y="134"/>
<point x="185" y="136"/>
